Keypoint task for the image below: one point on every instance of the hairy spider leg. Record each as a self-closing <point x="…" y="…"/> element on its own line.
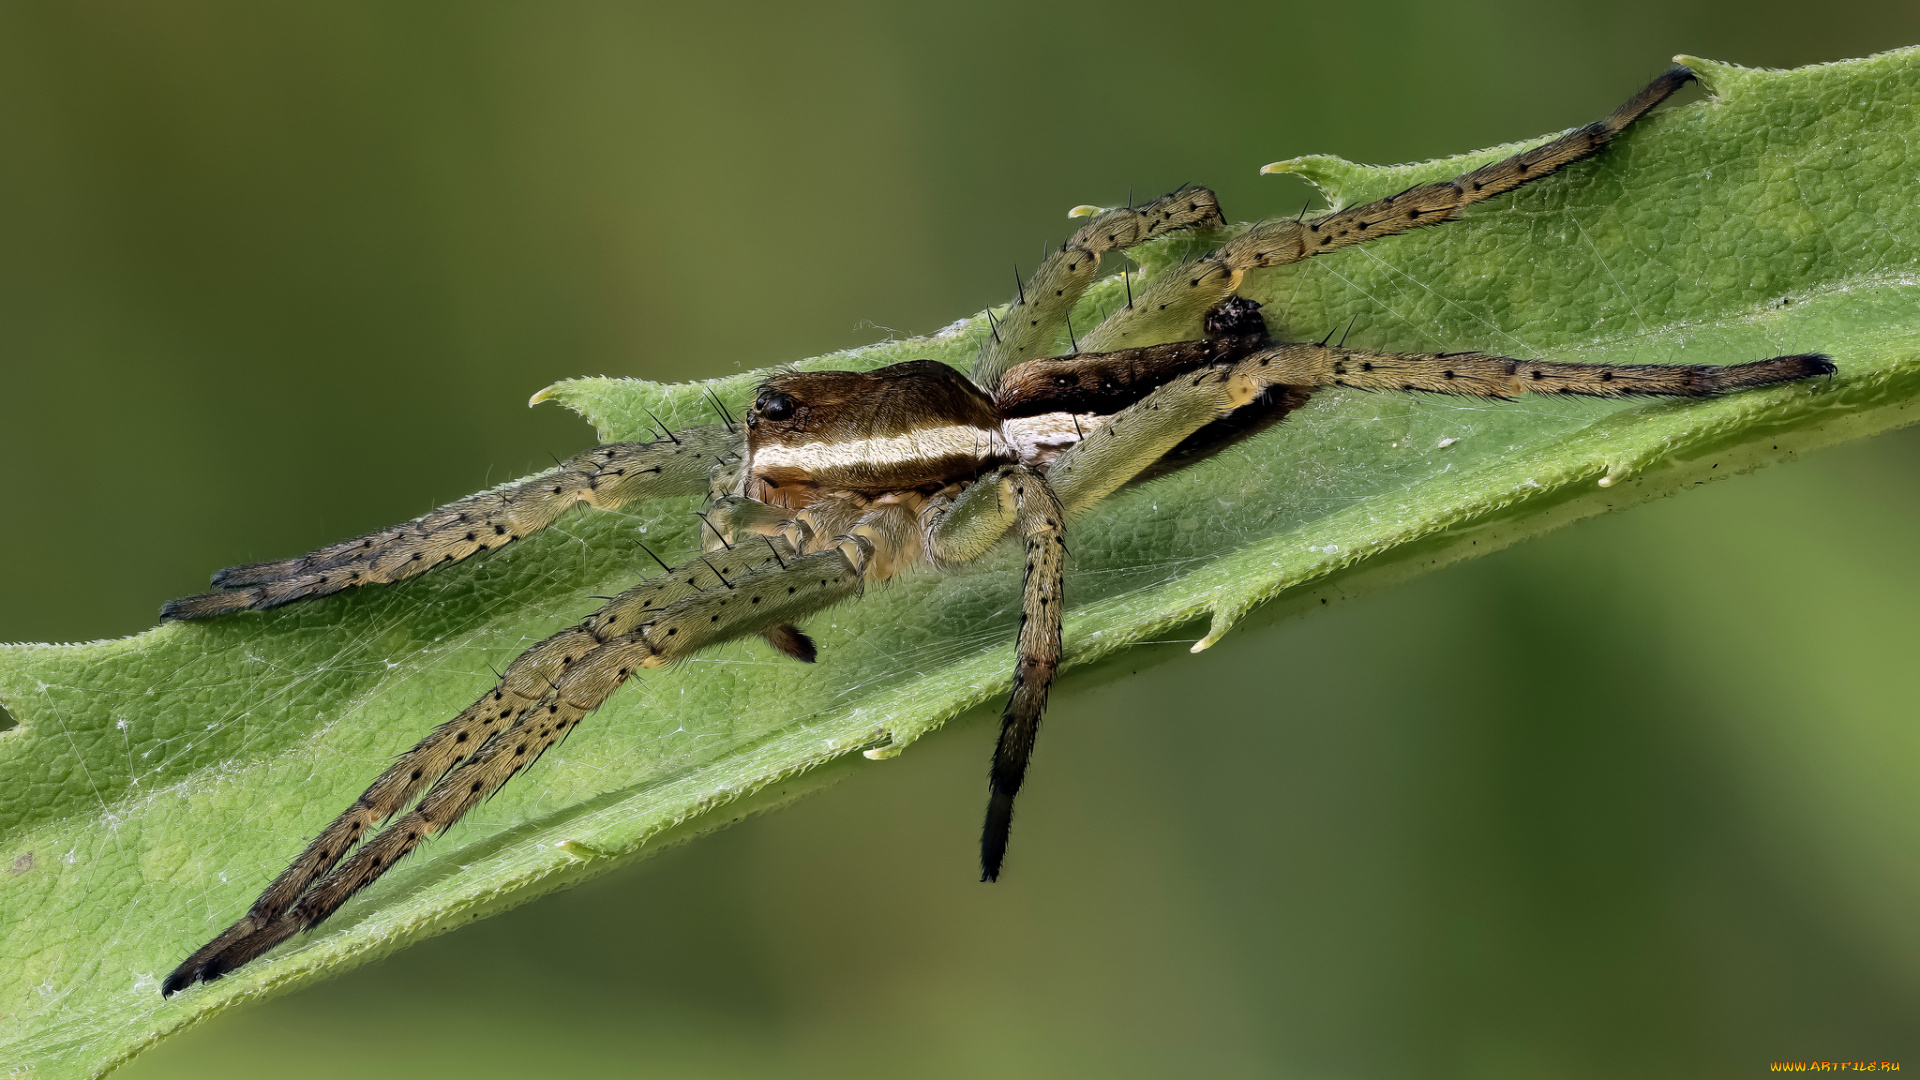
<point x="1019" y="499"/>
<point x="1171" y="306"/>
<point x="1039" y="310"/>
<point x="684" y="463"/>
<point x="734" y="519"/>
<point x="1477" y="374"/>
<point x="1140" y="435"/>
<point x="521" y="687"/>
<point x="545" y="694"/>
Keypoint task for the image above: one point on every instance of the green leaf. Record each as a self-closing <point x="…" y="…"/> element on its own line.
<point x="154" y="784"/>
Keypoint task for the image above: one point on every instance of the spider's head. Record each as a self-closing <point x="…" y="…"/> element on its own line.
<point x="914" y="425"/>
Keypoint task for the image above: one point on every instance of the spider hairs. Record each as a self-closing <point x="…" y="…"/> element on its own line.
<point x="838" y="479"/>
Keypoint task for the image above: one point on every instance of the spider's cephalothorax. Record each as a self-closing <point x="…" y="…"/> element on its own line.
<point x="914" y="427"/>
<point x="841" y="478"/>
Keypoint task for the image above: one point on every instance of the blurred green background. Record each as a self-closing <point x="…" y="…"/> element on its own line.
<point x="1636" y="799"/>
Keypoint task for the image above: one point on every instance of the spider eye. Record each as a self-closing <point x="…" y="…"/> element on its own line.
<point x="776" y="406"/>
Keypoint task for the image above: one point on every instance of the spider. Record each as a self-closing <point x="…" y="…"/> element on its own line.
<point x="838" y="479"/>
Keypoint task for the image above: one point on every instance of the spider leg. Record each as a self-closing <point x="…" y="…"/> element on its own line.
<point x="1039" y="311"/>
<point x="1172" y="305"/>
<point x="735" y="519"/>
<point x="1477" y="374"/>
<point x="606" y="476"/>
<point x="1138" y="437"/>
<point x="1020" y="499"/>
<point x="527" y="683"/>
<point x="713" y="598"/>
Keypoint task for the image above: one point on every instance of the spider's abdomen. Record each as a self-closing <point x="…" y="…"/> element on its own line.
<point x="914" y="426"/>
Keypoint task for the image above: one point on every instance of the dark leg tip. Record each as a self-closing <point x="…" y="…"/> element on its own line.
<point x="1781" y="369"/>
<point x="206" y="605"/>
<point x="994" y="834"/>
<point x="182" y="977"/>
<point x="805" y="650"/>
<point x="788" y="639"/>
<point x="993" y="853"/>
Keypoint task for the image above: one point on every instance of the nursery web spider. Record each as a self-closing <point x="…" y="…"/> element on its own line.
<point x="837" y="479"/>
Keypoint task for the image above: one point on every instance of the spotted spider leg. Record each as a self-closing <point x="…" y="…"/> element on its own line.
<point x="540" y="697"/>
<point x="1017" y="499"/>
<point x="1038" y="312"/>
<point x="1484" y="375"/>
<point x="526" y="682"/>
<point x="1171" y="306"/>
<point x="1141" y="434"/>
<point x="610" y="476"/>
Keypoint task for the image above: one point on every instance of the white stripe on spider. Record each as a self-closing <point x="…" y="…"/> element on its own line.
<point x="926" y="444"/>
